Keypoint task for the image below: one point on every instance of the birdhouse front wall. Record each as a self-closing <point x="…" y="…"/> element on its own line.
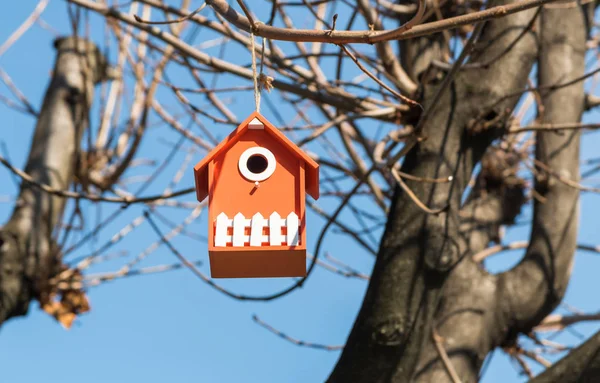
<point x="234" y="191"/>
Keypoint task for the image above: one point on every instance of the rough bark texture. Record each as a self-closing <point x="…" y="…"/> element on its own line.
<point x="538" y="283"/>
<point x="28" y="253"/>
<point x="424" y="280"/>
<point x="417" y="54"/>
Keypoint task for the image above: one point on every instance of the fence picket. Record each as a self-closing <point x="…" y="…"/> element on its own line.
<point x="275" y="223"/>
<point x="292" y="229"/>
<point x="238" y="229"/>
<point x="221" y="231"/>
<point x="256" y="229"/>
<point x="256" y="224"/>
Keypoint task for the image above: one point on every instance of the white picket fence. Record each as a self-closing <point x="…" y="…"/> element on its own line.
<point x="274" y="225"/>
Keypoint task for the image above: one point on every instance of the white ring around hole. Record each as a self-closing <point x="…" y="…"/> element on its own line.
<point x="257" y="150"/>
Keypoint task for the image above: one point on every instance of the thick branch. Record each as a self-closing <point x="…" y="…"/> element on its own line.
<point x="27" y="252"/>
<point x="495" y="200"/>
<point x="416" y="54"/>
<point x="581" y="365"/>
<point x="534" y="287"/>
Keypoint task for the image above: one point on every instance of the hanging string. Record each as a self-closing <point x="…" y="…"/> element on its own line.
<point x="262" y="64"/>
<point x="260" y="80"/>
<point x="254" y="74"/>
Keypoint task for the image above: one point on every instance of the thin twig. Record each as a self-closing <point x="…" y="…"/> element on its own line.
<point x="563" y="126"/>
<point x="566" y="181"/>
<point x="17" y="92"/>
<point x="179" y="20"/>
<point x="343" y="273"/>
<point x="413" y="196"/>
<point x="556" y="322"/>
<point x="482" y="255"/>
<point x="297" y="342"/>
<point x="97" y="279"/>
<point x="438" y="341"/>
<point x="92" y="197"/>
<point x="378" y="81"/>
<point x="37" y="12"/>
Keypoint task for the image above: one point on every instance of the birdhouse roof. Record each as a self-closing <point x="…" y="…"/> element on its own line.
<point x="254" y="120"/>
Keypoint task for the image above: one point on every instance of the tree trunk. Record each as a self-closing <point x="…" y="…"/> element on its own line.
<point x="28" y="253"/>
<point x="427" y="300"/>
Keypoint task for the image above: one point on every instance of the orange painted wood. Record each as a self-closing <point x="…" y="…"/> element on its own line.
<point x="218" y="177"/>
<point x="259" y="263"/>
<point x="312" y="168"/>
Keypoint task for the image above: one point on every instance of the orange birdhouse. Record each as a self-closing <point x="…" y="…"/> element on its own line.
<point x="255" y="181"/>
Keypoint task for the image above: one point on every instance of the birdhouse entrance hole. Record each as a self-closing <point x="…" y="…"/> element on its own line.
<point x="257" y="163"/>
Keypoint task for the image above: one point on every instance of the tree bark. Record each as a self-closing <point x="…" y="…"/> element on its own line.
<point x="537" y="285"/>
<point x="28" y="253"/>
<point x="427" y="300"/>
<point x="423" y="277"/>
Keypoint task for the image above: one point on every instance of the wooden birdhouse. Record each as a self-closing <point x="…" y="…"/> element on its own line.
<point x="255" y="181"/>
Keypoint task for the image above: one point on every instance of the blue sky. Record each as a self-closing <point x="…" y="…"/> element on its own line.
<point x="171" y="326"/>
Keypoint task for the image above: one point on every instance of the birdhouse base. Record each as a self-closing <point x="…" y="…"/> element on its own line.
<point x="257" y="263"/>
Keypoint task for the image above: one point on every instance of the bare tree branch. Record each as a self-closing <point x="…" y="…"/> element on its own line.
<point x="580" y="365"/>
<point x="28" y="254"/>
<point x="534" y="287"/>
<point x="341" y="99"/>
<point x="367" y="37"/>
<point x="37" y="12"/>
